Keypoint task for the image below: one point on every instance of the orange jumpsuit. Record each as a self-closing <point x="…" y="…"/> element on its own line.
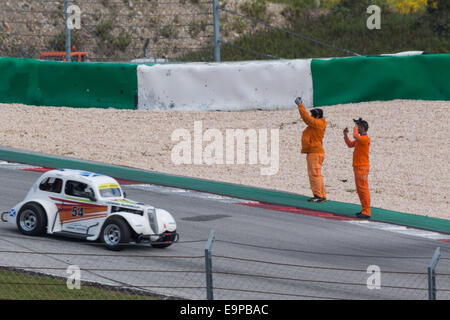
<point x="312" y="138"/>
<point x="361" y="167"/>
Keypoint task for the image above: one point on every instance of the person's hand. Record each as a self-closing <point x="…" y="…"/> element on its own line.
<point x="298" y="101"/>
<point x="345" y="131"/>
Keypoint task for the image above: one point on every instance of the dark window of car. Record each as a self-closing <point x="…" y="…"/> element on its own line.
<point x="51" y="184"/>
<point x="78" y="189"/>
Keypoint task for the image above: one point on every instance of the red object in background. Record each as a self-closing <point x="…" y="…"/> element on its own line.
<point x="61" y="55"/>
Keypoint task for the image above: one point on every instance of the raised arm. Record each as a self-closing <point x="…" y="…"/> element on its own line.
<point x="308" y="119"/>
<point x="349" y="143"/>
<point x="356" y="133"/>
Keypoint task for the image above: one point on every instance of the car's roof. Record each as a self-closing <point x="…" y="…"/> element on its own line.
<point x="80" y="175"/>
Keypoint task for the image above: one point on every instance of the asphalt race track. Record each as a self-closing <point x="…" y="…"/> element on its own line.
<point x="258" y="253"/>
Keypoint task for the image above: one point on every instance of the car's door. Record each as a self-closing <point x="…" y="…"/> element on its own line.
<point x="79" y="211"/>
<point x="50" y="188"/>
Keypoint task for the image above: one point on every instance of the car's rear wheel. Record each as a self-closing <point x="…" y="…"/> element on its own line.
<point x="32" y="220"/>
<point x="115" y="234"/>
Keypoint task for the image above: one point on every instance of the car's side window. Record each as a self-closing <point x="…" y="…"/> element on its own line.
<point x="77" y="189"/>
<point x="51" y="184"/>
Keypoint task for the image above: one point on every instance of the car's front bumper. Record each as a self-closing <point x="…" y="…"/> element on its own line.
<point x="163" y="238"/>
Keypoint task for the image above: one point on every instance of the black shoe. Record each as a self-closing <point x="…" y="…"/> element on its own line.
<point x="360" y="215"/>
<point x="317" y="199"/>
<point x="313" y="199"/>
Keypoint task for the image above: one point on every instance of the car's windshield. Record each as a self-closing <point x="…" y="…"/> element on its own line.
<point x="110" y="190"/>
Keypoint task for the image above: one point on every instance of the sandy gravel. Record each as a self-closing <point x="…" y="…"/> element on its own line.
<point x="409" y="151"/>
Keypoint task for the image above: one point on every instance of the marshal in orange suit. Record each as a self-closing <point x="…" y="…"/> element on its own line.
<point x="361" y="164"/>
<point x="312" y="138"/>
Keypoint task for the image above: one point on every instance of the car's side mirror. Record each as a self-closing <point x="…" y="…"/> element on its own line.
<point x="124" y="194"/>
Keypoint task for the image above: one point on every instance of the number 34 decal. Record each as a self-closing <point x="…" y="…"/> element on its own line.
<point x="77" y="211"/>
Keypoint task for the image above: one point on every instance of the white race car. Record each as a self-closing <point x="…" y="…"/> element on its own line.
<point x="90" y="206"/>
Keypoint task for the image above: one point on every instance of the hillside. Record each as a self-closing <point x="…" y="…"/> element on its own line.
<point x="182" y="30"/>
<point x="115" y="30"/>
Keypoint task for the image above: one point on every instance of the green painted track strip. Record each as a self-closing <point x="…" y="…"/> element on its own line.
<point x="226" y="189"/>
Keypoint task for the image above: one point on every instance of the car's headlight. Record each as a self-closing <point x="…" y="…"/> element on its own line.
<point x="153" y="220"/>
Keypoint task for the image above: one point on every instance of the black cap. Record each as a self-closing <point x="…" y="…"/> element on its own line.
<point x="364" y="125"/>
<point x="317" y="113"/>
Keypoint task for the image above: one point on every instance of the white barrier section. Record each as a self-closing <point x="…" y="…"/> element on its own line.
<point x="230" y="86"/>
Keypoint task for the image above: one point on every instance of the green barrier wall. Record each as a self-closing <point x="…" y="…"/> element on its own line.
<point x="358" y="79"/>
<point x="227" y="189"/>
<point x="51" y="83"/>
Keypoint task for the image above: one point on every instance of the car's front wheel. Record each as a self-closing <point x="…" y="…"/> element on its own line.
<point x="32" y="220"/>
<point x="115" y="234"/>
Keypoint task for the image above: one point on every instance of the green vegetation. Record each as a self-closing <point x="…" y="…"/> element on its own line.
<point x="122" y="41"/>
<point x="169" y="31"/>
<point x="256" y="9"/>
<point x="104" y="31"/>
<point x="342" y="26"/>
<point x="196" y="28"/>
<point x="25" y="286"/>
<point x="438" y="12"/>
<point x="58" y="43"/>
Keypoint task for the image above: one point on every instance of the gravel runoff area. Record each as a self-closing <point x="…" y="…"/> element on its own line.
<point x="409" y="153"/>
